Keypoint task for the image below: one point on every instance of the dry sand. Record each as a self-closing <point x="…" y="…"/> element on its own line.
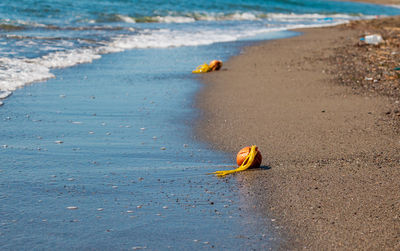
<point x="334" y="155"/>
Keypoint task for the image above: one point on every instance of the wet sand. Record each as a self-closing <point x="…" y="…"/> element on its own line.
<point x="332" y="151"/>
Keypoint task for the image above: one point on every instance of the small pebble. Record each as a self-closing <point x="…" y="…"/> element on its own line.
<point x="163" y="148"/>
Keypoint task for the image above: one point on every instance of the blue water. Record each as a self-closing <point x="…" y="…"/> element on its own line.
<point x="100" y="118"/>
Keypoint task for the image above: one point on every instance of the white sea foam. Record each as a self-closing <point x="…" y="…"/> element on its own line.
<point x="237" y="16"/>
<point x="174" y="19"/>
<point x="16" y="73"/>
<point x="67" y="58"/>
<point x="242" y="16"/>
<point x="126" y="19"/>
<point x="5" y="94"/>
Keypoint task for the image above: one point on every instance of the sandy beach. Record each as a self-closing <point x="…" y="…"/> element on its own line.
<point x="331" y="147"/>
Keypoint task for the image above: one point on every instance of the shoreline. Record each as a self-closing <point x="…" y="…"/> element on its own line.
<point x="331" y="149"/>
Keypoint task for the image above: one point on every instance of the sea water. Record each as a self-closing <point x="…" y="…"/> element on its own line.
<point x="97" y="149"/>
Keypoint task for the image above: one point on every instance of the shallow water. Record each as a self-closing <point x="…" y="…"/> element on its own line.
<point x="116" y="143"/>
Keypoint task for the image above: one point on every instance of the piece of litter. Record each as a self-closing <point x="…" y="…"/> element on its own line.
<point x="100" y="209"/>
<point x="165" y="207"/>
<point x="163" y="148"/>
<point x="129" y="211"/>
<point x="374" y="39"/>
<point x="58" y="142"/>
<point x="72" y="208"/>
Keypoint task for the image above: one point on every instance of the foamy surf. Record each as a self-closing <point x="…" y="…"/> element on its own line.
<point x="19" y="71"/>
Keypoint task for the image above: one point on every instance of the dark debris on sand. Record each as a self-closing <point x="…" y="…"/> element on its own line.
<point x="372" y="68"/>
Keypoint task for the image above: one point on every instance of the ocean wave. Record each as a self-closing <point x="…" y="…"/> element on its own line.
<point x="193" y="17"/>
<point x="237" y="16"/>
<point x="17" y="72"/>
<point x="19" y="24"/>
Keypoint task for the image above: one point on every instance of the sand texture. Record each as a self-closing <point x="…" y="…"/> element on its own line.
<point x="333" y="152"/>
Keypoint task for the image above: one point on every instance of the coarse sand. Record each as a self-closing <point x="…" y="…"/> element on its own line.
<point x="333" y="155"/>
